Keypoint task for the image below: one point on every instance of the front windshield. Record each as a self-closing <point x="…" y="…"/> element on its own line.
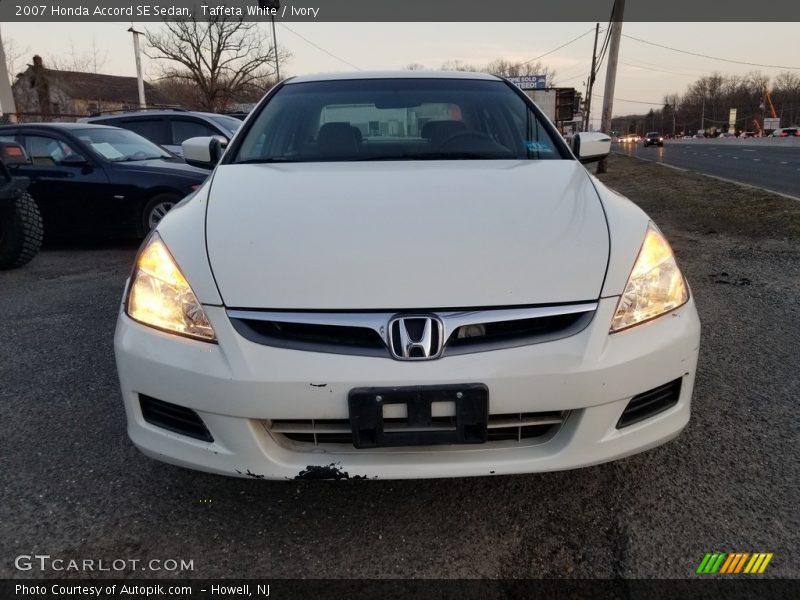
<point x="396" y="119"/>
<point x="118" y="145"/>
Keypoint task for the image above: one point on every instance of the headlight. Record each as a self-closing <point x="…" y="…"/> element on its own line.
<point x="160" y="296"/>
<point x="655" y="286"/>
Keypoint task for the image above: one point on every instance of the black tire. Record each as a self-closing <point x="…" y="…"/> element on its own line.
<point x="21" y="232"/>
<point x="154" y="211"/>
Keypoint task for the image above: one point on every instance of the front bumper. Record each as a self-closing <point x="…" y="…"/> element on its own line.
<point x="237" y="387"/>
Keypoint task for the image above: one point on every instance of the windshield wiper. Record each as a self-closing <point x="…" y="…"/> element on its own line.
<point x="130" y="159"/>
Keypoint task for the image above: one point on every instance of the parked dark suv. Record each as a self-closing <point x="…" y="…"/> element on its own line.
<point x="653" y="139"/>
<point x="93" y="179"/>
<point x="170" y="128"/>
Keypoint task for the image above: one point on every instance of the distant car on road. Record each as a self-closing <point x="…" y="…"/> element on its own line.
<point x="99" y="179"/>
<point x="170" y="128"/>
<point x="653" y="139"/>
<point x="786" y="132"/>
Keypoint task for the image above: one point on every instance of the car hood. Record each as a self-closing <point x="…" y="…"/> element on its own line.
<point x="405" y="235"/>
<point x="160" y="165"/>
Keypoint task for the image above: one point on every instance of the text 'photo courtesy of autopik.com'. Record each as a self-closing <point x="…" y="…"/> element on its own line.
<point x="349" y="299"/>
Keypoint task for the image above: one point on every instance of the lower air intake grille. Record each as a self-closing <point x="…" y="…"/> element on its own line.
<point x="649" y="403"/>
<point x="172" y="417"/>
<point x="502" y="427"/>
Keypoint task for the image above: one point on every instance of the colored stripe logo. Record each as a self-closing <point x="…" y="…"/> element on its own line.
<point x="734" y="563"/>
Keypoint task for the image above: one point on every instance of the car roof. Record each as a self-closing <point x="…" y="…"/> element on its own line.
<point x="147" y="113"/>
<point x="153" y="113"/>
<point x="391" y="75"/>
<point x="66" y="126"/>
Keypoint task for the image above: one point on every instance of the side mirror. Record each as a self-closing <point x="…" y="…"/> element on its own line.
<point x="591" y="146"/>
<point x="73" y="160"/>
<point x="203" y="152"/>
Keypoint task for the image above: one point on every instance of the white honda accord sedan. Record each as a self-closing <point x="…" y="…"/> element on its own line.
<point x="403" y="275"/>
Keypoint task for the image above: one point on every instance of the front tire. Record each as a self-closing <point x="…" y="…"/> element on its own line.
<point x="156" y="209"/>
<point x="21" y="232"/>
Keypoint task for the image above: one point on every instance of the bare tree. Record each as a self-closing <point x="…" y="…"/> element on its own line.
<point x="501" y="66"/>
<point x="459" y="65"/>
<point x="92" y="61"/>
<point x="15" y="56"/>
<point x="507" y="68"/>
<point x="414" y="66"/>
<point x="224" y="58"/>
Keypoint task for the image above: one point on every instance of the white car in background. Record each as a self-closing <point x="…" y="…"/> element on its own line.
<point x="403" y="275"/>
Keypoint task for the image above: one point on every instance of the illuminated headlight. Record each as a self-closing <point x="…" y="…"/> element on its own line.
<point x="655" y="286"/>
<point x="160" y="296"/>
<point x="660" y="139"/>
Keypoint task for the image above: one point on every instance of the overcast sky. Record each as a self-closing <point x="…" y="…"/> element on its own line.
<point x="645" y="73"/>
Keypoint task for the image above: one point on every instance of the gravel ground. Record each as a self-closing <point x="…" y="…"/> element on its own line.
<point x="74" y="487"/>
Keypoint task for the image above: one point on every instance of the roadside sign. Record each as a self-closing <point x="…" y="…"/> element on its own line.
<point x="770" y="123"/>
<point x="529" y="82"/>
<point x="732" y="119"/>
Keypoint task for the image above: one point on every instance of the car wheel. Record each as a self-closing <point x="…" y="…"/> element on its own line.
<point x="156" y="209"/>
<point x="21" y="232"/>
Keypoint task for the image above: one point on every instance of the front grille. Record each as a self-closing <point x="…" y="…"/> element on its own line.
<point x="501" y="427"/>
<point x="311" y="336"/>
<point x="367" y="333"/>
<point x="172" y="417"/>
<point x="471" y="338"/>
<point x="650" y="403"/>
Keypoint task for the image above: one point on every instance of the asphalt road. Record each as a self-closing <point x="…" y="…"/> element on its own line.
<point x="775" y="168"/>
<point x="72" y="485"/>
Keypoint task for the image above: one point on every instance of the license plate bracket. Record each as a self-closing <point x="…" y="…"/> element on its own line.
<point x="420" y="428"/>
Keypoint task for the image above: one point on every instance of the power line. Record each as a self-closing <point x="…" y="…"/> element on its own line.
<point x="606" y="40"/>
<point x="603" y="48"/>
<point x="572" y="41"/>
<point x="581" y="75"/>
<point x="649" y="68"/>
<point x="633" y="101"/>
<point x="729" y="60"/>
<point x="318" y="47"/>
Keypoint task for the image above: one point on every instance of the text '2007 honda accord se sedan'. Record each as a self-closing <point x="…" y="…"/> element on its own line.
<point x="403" y="275"/>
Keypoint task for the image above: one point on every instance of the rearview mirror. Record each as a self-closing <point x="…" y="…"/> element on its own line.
<point x="591" y="146"/>
<point x="203" y="152"/>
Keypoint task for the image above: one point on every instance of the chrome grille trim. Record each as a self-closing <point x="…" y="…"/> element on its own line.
<point x="378" y="322"/>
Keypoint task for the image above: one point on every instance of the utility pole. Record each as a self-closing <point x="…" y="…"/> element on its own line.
<point x="139" y="80"/>
<point x="275" y="43"/>
<point x="611" y="72"/>
<point x="273" y="6"/>
<point x="7" y="106"/>
<point x="590" y="85"/>
<point x="703" y="115"/>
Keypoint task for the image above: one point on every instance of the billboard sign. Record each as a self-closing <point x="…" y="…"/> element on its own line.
<point x="529" y="82"/>
<point x="732" y="119"/>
